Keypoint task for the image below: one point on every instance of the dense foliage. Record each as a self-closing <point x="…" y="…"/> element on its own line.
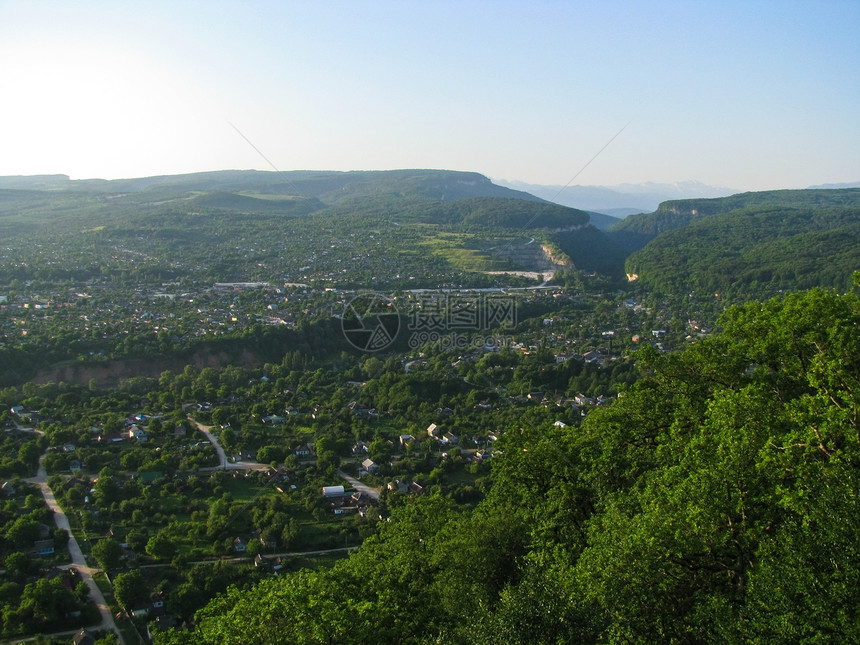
<point x="754" y="252"/>
<point x="634" y="232"/>
<point x="716" y="502"/>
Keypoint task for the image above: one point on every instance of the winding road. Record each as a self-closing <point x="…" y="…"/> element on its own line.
<point x="79" y="562"/>
<point x="223" y="464"/>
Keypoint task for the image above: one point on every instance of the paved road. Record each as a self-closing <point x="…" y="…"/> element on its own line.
<point x="79" y="562"/>
<point x="357" y="485"/>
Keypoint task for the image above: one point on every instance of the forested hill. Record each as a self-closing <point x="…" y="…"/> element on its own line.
<point x="327" y="186"/>
<point x="757" y="251"/>
<point x="636" y="231"/>
<point x="717" y="502"/>
<point x="294" y="226"/>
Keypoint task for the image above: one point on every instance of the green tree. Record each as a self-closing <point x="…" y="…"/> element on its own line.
<point x="47" y="601"/>
<point x="23" y="532"/>
<point x="129" y="588"/>
<point x="108" y="553"/>
<point x="161" y="546"/>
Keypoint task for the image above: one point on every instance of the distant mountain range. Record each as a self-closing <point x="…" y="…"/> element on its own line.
<point x="850" y="184"/>
<point x="621" y="200"/>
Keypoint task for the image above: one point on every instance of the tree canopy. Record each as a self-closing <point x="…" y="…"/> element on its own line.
<point x="716" y="501"/>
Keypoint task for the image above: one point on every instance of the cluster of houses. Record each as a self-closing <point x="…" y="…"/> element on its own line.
<point x="133" y="430"/>
<point x="343" y="502"/>
<point x="23" y="415"/>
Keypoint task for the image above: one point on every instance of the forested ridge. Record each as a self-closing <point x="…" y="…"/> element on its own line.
<point x="754" y="252"/>
<point x="717" y="501"/>
<point x="304" y="226"/>
<point x="637" y="230"/>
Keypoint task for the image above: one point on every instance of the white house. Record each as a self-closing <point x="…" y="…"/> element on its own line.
<point x="333" y="491"/>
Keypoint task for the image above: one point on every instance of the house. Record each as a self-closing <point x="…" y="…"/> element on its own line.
<point x="450" y="438"/>
<point x="140" y="610"/>
<point x="239" y="545"/>
<point x="303" y="451"/>
<point x="406" y="439"/>
<point x="43" y="547"/>
<point x="157" y="604"/>
<point x="398" y="485"/>
<point x="535" y="396"/>
<point x="433" y="430"/>
<point x="333" y="491"/>
<point x="369" y="466"/>
<point x="591" y="357"/>
<point x="75" y="465"/>
<point x="136" y="433"/>
<point x="7" y="489"/>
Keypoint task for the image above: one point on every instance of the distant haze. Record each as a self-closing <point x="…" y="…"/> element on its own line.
<point x="620" y="200"/>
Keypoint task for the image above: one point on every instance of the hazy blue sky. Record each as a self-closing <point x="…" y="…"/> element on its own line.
<point x="750" y="95"/>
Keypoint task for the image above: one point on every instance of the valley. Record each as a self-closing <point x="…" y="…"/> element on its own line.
<point x="413" y="406"/>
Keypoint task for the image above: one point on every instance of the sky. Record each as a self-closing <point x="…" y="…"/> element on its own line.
<point x="749" y="95"/>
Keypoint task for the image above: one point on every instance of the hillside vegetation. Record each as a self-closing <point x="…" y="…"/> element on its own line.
<point x="636" y="231"/>
<point x="304" y="226"/>
<point x="716" y="502"/>
<point x="754" y="252"/>
<point x="274" y="227"/>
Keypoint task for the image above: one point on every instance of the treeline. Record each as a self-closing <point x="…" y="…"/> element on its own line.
<point x="754" y="253"/>
<point x="716" y="501"/>
<point x="634" y="232"/>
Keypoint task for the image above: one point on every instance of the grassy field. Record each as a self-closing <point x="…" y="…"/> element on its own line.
<point x="458" y="250"/>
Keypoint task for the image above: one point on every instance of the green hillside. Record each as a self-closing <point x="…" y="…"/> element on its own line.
<point x="756" y="251"/>
<point x="636" y="231"/>
<point x="712" y="503"/>
<point x="273" y="227"/>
